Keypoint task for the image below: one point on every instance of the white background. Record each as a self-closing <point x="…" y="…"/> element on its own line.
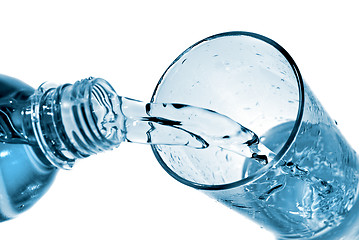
<point x="125" y="194"/>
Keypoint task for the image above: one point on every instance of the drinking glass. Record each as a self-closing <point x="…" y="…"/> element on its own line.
<point x="308" y="189"/>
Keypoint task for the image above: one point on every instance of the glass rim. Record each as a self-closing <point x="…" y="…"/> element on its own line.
<point x="284" y="148"/>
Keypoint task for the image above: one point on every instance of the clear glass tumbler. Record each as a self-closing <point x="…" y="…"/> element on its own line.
<point x="309" y="190"/>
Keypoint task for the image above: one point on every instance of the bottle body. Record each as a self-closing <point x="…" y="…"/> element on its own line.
<point x="25" y="174"/>
<point x="24" y="178"/>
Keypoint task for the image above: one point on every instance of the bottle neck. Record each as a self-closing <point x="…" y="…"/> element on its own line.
<point x="74" y="121"/>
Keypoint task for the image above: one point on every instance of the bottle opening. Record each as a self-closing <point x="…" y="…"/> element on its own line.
<point x="75" y="121"/>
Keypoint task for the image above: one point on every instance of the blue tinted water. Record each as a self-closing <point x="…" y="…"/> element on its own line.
<point x="309" y="192"/>
<point x="24" y="179"/>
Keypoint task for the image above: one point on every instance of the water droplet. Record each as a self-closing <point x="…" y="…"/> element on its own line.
<point x="262" y="159"/>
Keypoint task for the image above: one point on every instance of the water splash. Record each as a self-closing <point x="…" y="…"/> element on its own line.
<point x="181" y="124"/>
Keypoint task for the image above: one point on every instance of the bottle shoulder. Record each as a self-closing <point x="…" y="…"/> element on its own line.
<point x="14" y="88"/>
<point x="14" y="97"/>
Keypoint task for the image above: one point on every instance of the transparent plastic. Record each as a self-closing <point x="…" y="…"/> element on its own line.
<point x="309" y="190"/>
